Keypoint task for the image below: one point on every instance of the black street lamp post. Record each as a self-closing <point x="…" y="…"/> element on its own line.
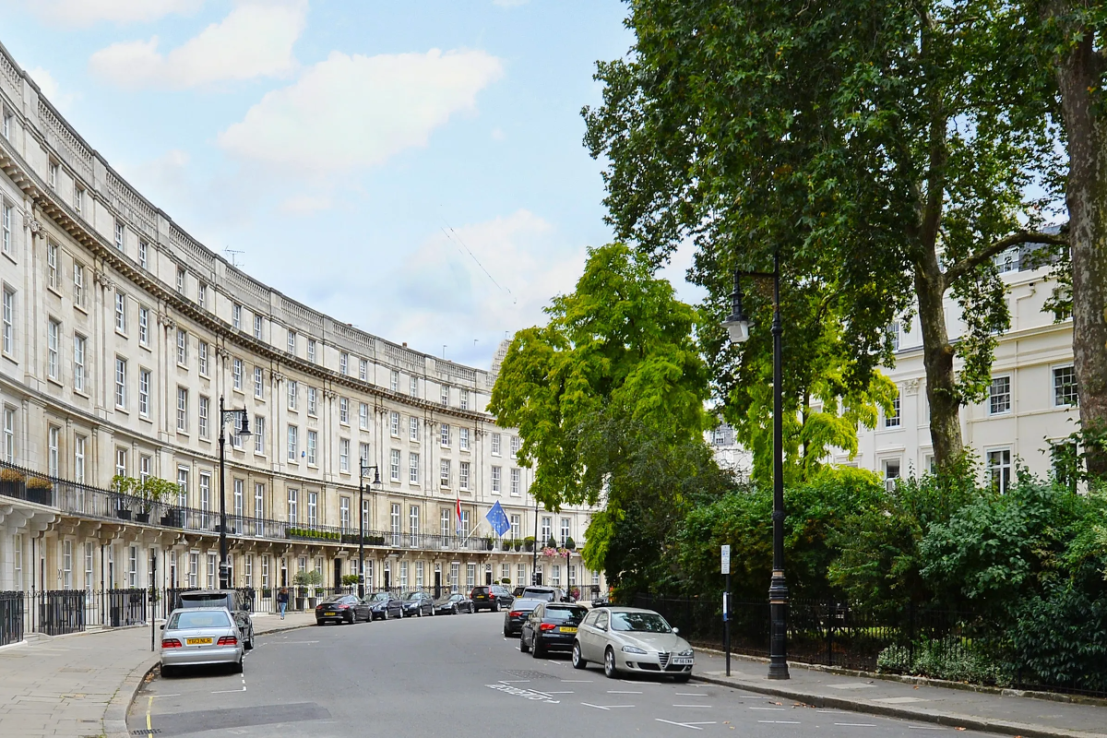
<point x="242" y="431"/>
<point x="534" y="558"/>
<point x="738" y="327"/>
<point x="361" y="523"/>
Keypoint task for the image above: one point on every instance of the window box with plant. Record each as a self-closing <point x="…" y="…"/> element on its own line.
<point x="11" y="483"/>
<point x="40" y="490"/>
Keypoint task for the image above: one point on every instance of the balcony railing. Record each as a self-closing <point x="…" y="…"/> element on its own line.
<point x="100" y="504"/>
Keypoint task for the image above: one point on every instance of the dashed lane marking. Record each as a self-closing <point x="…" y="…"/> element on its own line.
<point x="693" y="726"/>
<point x="781" y="722"/>
<point x="700" y="706"/>
<point x="856" y="725"/>
<point x="619" y="691"/>
<point x="605" y="707"/>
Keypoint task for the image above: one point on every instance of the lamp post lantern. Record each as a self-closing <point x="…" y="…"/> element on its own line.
<point x="364" y="468"/>
<point x="737" y="326"/>
<point x="242" y="431"/>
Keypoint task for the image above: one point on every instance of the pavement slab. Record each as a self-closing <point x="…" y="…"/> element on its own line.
<point x="997" y="711"/>
<point x="81" y="685"/>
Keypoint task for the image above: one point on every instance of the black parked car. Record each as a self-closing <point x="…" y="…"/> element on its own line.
<point x="552" y="626"/>
<point x="490" y="597"/>
<point x="514" y="617"/>
<point x="452" y="604"/>
<point x="341" y="609"/>
<point x="418" y="604"/>
<point x="385" y="605"/>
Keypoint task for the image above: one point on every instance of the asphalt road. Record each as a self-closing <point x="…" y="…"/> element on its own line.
<point x="458" y="676"/>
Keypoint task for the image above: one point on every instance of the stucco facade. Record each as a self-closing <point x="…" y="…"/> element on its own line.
<point x="121" y="334"/>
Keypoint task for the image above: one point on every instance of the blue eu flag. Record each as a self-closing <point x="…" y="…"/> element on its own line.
<point x="497" y="518"/>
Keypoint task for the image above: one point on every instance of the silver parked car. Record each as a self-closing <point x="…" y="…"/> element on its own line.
<point x="198" y="637"/>
<point x="627" y="639"/>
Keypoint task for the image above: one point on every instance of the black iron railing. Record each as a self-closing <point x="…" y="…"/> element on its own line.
<point x="100" y="504"/>
<point x="832" y="633"/>
<point x="11" y="617"/>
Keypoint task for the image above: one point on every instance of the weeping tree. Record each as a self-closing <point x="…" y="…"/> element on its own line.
<point x="868" y="143"/>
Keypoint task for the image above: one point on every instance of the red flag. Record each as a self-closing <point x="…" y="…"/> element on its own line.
<point x="458" y="508"/>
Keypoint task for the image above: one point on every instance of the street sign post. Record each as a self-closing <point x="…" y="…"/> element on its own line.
<point x="724" y="555"/>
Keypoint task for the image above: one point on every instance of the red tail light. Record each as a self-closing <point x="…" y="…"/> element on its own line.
<point x="227" y="641"/>
<point x="516" y="613"/>
<point x="546" y="626"/>
<point x="170" y="643"/>
<point x="343" y="607"/>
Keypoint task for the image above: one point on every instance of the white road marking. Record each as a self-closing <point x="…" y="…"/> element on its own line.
<point x="856" y="725"/>
<point x="618" y="691"/>
<point x="707" y="706"/>
<point x="228" y="691"/>
<point x="605" y="707"/>
<point x="577" y="681"/>
<point x="693" y="726"/>
<point x="529" y="694"/>
<point x="689" y="694"/>
<point x="781" y="722"/>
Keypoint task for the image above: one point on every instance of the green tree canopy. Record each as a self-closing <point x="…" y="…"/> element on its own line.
<point x="867" y="141"/>
<point x="621" y="346"/>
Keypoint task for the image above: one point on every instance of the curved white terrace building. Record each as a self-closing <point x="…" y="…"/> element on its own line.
<point x="121" y="334"/>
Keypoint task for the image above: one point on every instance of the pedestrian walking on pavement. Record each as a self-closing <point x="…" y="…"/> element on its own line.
<point x="282" y="601"/>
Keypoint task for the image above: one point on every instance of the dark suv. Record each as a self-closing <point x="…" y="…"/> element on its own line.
<point x="490" y="597"/>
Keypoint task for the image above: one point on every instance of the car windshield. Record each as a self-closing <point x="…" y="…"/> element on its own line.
<point x="380" y="597"/>
<point x="333" y="599"/>
<point x="538" y="594"/>
<point x="188" y="620"/>
<point x="639" y="622"/>
<point x="566" y="614"/>
<point x="413" y="596"/>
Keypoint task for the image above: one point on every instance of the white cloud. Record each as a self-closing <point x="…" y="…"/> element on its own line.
<point x="254" y="40"/>
<point x="88" y="12"/>
<point x="442" y="296"/>
<point x="306" y="204"/>
<point x="350" y="112"/>
<point x="48" y="86"/>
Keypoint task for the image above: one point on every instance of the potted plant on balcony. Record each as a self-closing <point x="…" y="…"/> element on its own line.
<point x="528" y="544"/>
<point x="40" y="490"/>
<point x="152" y="491"/>
<point x="122" y="488"/>
<point x="11" y="483"/>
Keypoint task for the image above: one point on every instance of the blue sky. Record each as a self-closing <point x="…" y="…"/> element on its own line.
<point x="363" y="155"/>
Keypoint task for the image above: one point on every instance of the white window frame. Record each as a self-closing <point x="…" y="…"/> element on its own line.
<point x="1065" y="389"/>
<point x="413" y="468"/>
<point x="1000" y="470"/>
<point x="999" y="403"/>
<point x="80" y="374"/>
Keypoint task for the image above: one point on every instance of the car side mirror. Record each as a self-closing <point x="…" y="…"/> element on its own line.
<point x="162" y="627"/>
<point x="676" y="631"/>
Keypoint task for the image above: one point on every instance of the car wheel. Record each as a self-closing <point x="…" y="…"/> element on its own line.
<point x="386" y="613"/>
<point x="353" y="617"/>
<point x="578" y="659"/>
<point x="682" y="678"/>
<point x="536" y="649"/>
<point x="455" y="608"/>
<point x="523" y="643"/>
<point x="418" y="612"/>
<point x="236" y="668"/>
<point x="168" y="671"/>
<point x="496" y="607"/>
<point x="609" y="669"/>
